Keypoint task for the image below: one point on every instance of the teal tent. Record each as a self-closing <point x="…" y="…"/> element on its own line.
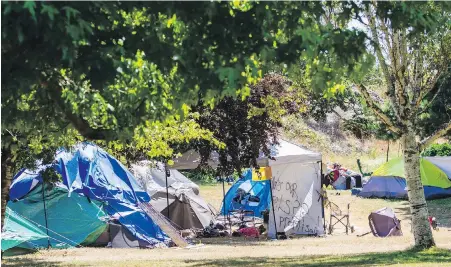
<point x="19" y="230"/>
<point x="68" y="221"/>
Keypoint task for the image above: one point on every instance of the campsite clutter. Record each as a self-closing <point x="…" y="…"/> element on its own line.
<point x="341" y="178"/>
<point x="99" y="202"/>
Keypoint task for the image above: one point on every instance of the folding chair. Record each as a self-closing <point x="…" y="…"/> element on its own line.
<point x="339" y="216"/>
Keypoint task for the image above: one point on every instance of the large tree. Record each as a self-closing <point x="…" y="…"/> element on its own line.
<point x="412" y="56"/>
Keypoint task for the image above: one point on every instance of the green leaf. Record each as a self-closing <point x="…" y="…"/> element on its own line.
<point x="50" y="10"/>
<point x="31" y="5"/>
<point x="70" y="12"/>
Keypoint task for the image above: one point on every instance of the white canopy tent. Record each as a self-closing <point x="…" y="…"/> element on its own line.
<point x="296" y="187"/>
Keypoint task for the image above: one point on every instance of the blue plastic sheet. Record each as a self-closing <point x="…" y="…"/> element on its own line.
<point x="90" y="171"/>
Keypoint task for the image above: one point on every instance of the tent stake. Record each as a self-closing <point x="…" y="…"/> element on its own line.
<point x="166" y="171"/>
<point x="45" y="215"/>
<point x="273" y="211"/>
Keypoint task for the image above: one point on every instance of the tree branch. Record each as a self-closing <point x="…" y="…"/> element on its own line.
<point x="389" y="79"/>
<point x="425" y="91"/>
<point x="377" y="110"/>
<point x="439" y="133"/>
<point x="80" y="124"/>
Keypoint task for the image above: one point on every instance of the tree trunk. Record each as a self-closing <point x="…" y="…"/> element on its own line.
<point x="418" y="207"/>
<point x="6" y="179"/>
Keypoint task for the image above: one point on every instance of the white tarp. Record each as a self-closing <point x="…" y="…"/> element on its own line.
<point x="444" y="163"/>
<point x="152" y="177"/>
<point x="298" y="207"/>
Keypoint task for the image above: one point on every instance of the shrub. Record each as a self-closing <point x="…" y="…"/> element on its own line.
<point x="438" y="150"/>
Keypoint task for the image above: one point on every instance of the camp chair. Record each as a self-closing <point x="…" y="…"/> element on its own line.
<point x="243" y="216"/>
<point x="339" y="216"/>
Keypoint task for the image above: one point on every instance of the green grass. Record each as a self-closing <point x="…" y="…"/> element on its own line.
<point x="431" y="257"/>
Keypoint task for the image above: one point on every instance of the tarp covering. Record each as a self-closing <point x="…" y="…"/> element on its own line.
<point x="90" y="171"/>
<point x="187" y="209"/>
<point x="18" y="230"/>
<point x="259" y="189"/>
<point x="153" y="178"/>
<point x="298" y="205"/>
<point x="388" y="179"/>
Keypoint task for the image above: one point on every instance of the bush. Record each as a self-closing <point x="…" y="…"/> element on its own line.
<point x="438" y="150"/>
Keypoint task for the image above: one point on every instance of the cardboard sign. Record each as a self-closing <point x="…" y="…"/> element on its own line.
<point x="261" y="174"/>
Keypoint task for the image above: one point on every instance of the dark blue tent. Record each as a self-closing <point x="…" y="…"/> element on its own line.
<point x="247" y="194"/>
<point x="89" y="171"/>
<point x="385" y="187"/>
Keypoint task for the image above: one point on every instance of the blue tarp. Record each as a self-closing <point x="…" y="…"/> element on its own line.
<point x="260" y="189"/>
<point x="90" y="171"/>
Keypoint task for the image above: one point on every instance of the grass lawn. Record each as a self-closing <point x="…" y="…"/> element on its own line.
<point x="338" y="249"/>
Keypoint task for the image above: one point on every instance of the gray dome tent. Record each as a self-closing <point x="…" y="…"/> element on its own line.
<point x="187" y="210"/>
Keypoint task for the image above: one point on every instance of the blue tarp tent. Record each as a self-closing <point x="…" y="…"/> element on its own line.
<point x="91" y="172"/>
<point x="251" y="189"/>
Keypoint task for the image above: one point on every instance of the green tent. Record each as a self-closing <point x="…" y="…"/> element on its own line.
<point x="70" y="220"/>
<point x="19" y="230"/>
<point x="434" y="177"/>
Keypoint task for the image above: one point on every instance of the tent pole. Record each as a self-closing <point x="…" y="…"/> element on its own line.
<point x="45" y="215"/>
<point x="223" y="205"/>
<point x="166" y="171"/>
<point x="223" y="195"/>
<point x="322" y="200"/>
<point x="272" y="204"/>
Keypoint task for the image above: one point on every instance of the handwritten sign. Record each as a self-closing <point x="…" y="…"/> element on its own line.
<point x="261" y="174"/>
<point x="297" y="209"/>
